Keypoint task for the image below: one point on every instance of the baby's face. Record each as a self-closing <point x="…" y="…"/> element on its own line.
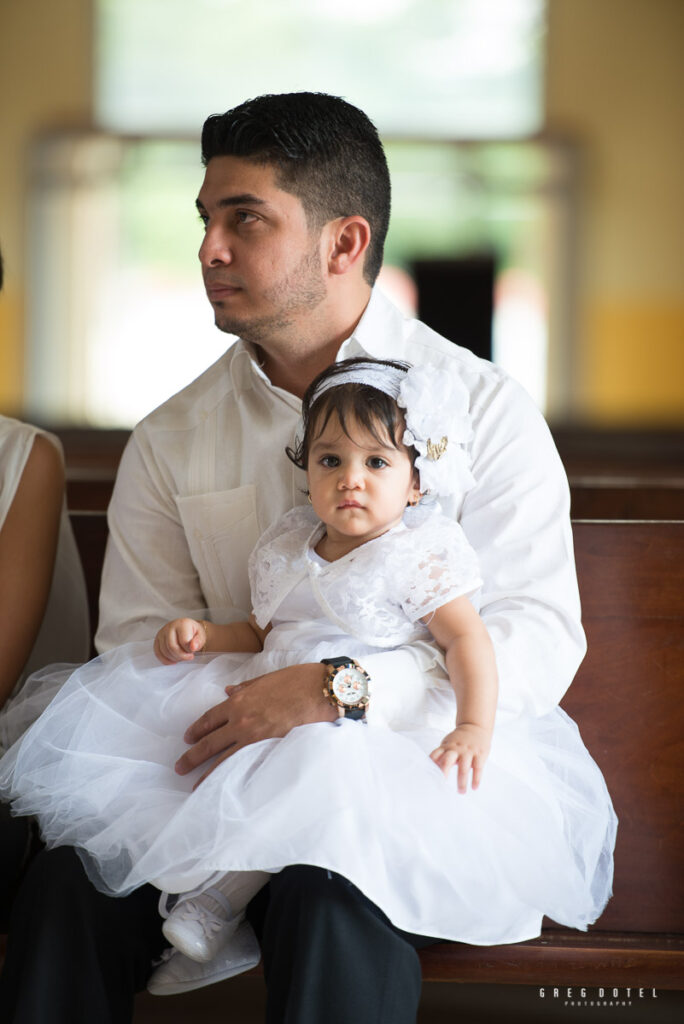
<point x="359" y="486"/>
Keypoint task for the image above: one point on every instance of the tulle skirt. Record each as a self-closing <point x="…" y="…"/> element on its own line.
<point x="96" y="770"/>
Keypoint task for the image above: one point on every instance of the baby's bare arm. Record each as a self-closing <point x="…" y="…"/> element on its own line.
<point x="471" y="665"/>
<point x="182" y="639"/>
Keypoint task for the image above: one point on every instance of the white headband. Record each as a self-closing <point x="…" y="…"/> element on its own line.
<point x="436" y="405"/>
<point x="385" y="378"/>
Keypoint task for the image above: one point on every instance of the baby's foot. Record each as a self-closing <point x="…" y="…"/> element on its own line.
<point x="199" y="927"/>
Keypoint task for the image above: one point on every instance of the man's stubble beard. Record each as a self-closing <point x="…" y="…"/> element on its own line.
<point x="302" y="290"/>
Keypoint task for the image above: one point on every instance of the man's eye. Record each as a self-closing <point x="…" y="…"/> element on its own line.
<point x="244" y="216"/>
<point x="375" y="462"/>
<point x="203" y="219"/>
<point x="330" y="461"/>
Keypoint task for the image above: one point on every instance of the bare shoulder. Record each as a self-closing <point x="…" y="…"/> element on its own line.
<point x="44" y="469"/>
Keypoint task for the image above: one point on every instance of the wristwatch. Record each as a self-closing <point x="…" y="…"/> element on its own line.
<point x="347" y="687"/>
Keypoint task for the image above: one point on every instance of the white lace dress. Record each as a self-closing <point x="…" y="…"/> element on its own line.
<point x="536" y="837"/>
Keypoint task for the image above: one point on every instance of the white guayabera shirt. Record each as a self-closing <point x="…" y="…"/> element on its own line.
<point x="205" y="474"/>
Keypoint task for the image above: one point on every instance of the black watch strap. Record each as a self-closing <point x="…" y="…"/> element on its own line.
<point x="336" y="662"/>
<point x="355" y="713"/>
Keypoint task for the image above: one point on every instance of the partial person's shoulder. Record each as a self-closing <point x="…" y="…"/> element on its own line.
<point x="46" y="458"/>
<point x="26" y="450"/>
<point x="15" y="433"/>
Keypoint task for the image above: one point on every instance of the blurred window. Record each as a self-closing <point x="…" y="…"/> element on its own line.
<point x="419" y="68"/>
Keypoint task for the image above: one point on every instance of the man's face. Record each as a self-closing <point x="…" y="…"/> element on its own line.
<point x="261" y="265"/>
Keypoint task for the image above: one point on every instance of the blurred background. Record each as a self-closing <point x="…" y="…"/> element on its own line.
<point x="536" y="150"/>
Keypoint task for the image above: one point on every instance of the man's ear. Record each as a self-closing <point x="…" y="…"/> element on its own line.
<point x="348" y="239"/>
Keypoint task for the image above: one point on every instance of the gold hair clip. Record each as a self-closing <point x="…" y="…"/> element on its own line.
<point x="436" y="451"/>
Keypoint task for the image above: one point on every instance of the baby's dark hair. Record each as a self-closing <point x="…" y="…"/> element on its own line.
<point x="362" y="404"/>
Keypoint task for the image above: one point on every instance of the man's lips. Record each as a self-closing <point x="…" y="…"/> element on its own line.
<point x="220" y="289"/>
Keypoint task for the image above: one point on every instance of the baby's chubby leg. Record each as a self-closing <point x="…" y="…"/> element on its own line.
<point x="200" y="925"/>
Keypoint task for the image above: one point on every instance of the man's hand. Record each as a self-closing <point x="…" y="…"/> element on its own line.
<point x="257" y="709"/>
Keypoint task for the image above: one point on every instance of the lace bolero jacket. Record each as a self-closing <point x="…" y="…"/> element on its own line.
<point x="378" y="592"/>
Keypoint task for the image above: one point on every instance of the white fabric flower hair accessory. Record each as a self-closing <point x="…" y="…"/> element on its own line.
<point x="438" y="425"/>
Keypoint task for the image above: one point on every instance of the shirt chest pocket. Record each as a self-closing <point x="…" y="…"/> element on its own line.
<point x="222" y="528"/>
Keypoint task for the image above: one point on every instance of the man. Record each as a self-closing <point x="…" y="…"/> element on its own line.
<point x="295" y="206"/>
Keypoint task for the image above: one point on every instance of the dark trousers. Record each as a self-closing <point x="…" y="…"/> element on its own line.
<point x="15" y="846"/>
<point x="75" y="956"/>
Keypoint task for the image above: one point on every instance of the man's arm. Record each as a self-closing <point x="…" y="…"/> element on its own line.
<point x="517" y="519"/>
<point x="148" y="576"/>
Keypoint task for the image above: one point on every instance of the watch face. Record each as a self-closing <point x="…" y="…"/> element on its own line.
<point x="350" y="685"/>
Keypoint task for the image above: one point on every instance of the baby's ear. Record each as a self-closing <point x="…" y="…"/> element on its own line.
<point x="415" y="494"/>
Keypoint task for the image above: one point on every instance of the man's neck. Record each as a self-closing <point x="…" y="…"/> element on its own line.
<point x="292" y="366"/>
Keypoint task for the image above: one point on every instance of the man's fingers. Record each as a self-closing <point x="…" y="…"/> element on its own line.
<point x="204" y="750"/>
<point x="211" y="720"/>
<point x="215" y="765"/>
<point x="234" y="747"/>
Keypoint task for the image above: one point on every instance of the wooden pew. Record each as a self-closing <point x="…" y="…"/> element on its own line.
<point x="627" y="700"/>
<point x="613" y="474"/>
<point x="593" y="496"/>
<point x="632" y="496"/>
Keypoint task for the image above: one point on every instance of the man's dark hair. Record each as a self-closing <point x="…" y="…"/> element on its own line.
<point x="324" y="150"/>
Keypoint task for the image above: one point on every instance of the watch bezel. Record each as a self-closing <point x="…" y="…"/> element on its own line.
<point x="337" y="665"/>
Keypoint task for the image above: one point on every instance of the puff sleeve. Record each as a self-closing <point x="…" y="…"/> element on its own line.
<point x="442" y="566"/>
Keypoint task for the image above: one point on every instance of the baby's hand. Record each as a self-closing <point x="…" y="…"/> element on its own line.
<point x="467" y="746"/>
<point x="179" y="640"/>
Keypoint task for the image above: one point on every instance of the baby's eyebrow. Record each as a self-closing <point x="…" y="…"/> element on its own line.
<point x="331" y="446"/>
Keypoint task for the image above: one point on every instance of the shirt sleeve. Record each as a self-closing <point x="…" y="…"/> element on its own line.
<point x="517" y="519"/>
<point x="148" y="576"/>
<point x="400" y="680"/>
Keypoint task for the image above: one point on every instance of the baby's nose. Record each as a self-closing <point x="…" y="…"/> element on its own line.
<point x="350" y="477"/>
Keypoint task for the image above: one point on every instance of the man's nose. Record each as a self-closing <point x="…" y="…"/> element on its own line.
<point x="215" y="248"/>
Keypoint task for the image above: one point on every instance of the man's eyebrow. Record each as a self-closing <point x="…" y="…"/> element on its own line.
<point x="244" y="199"/>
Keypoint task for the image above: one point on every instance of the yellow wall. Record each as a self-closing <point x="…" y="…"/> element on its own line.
<point x="615" y="84"/>
<point x="45" y="83"/>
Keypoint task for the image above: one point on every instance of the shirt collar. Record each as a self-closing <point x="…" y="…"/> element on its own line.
<point x="379" y="333"/>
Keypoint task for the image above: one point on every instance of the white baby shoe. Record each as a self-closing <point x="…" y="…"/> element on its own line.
<point x="178" y="973"/>
<point x="199" y="927"/>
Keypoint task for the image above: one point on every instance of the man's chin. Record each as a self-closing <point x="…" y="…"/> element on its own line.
<point x="227" y="326"/>
<point x="254" y="330"/>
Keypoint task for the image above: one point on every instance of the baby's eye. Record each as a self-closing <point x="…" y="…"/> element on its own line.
<point x="330" y="461"/>
<point x="376" y="462"/>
